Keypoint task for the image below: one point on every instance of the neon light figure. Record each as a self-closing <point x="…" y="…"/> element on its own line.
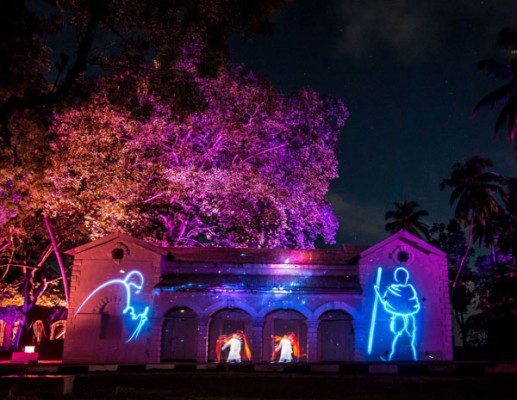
<point x="134" y="281"/>
<point x="400" y="300"/>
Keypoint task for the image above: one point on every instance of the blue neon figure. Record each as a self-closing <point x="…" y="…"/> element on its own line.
<point x="400" y="300"/>
<point x="134" y="280"/>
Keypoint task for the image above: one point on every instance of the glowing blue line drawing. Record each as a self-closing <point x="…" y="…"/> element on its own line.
<point x="400" y="300"/>
<point x="128" y="282"/>
<point x="374" y="313"/>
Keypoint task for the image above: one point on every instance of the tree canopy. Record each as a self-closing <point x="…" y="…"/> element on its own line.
<point x="251" y="169"/>
<point x="52" y="50"/>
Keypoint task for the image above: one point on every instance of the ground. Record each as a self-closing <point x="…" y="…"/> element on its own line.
<point x="272" y="386"/>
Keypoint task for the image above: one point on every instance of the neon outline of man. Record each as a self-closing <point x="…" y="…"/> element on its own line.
<point x="401" y="301"/>
<point x="128" y="282"/>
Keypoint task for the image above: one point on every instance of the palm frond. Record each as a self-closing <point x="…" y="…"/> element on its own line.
<point x="499" y="95"/>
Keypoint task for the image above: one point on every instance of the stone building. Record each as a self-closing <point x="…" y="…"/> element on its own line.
<point x="133" y="302"/>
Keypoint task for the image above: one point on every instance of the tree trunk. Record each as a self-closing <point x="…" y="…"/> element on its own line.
<point x="461" y="324"/>
<point x="59" y="260"/>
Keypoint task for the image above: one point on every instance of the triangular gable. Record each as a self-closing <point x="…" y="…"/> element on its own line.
<point x="117" y="237"/>
<point x="406" y="238"/>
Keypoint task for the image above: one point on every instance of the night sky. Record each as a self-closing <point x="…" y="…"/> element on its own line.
<point x="407" y="72"/>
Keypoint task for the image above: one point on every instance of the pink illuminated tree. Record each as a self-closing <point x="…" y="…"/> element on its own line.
<point x="53" y="53"/>
<point x="250" y="170"/>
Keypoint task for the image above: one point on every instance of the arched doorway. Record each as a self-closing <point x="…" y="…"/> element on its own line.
<point x="283" y="322"/>
<point x="336" y="336"/>
<point x="226" y="322"/>
<point x="179" y="335"/>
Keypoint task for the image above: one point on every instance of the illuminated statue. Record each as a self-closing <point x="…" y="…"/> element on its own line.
<point x="286" y="348"/>
<point x="238" y="344"/>
<point x="400" y="300"/>
<point x="133" y="282"/>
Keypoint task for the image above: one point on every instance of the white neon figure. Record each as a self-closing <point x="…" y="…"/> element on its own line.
<point x="286" y="350"/>
<point x="400" y="300"/>
<point x="134" y="280"/>
<point x="235" y="349"/>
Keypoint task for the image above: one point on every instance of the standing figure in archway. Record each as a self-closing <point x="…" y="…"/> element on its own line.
<point x="238" y="344"/>
<point x="400" y="300"/>
<point x="286" y="348"/>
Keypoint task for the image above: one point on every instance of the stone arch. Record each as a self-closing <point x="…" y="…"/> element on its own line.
<point x="111" y="319"/>
<point x="335" y="336"/>
<point x="225" y="322"/>
<point x="335" y="305"/>
<point x="163" y="311"/>
<point x="58" y="330"/>
<point x="280" y="305"/>
<point x="279" y="323"/>
<point x="179" y="334"/>
<point x="229" y="304"/>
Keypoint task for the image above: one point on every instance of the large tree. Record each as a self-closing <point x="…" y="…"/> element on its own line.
<point x="52" y="54"/>
<point x="251" y="169"/>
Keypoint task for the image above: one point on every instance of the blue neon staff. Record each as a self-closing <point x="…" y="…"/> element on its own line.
<point x="400" y="300"/>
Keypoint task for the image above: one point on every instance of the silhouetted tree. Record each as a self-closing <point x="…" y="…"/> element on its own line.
<point x="475" y="192"/>
<point x="451" y="239"/>
<point x="406" y="217"/>
<point x="506" y="94"/>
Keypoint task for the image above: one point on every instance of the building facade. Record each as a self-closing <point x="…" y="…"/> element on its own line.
<point x="133" y="302"/>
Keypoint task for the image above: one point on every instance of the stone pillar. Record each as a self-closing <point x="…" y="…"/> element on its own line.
<point x="155" y="340"/>
<point x="312" y="340"/>
<point x="257" y="346"/>
<point x="202" y="339"/>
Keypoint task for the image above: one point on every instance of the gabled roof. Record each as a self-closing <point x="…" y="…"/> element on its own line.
<point x="407" y="238"/>
<point x="119" y="237"/>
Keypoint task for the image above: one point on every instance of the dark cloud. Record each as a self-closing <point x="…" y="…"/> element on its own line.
<point x="409" y="30"/>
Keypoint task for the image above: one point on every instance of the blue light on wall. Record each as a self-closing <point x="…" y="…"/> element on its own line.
<point x="400" y="303"/>
<point x="132" y="283"/>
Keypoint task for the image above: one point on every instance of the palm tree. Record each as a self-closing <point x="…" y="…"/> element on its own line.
<point x="406" y="217"/>
<point x="474" y="191"/>
<point x="507" y="93"/>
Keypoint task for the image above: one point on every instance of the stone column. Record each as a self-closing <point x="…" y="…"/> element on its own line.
<point x="155" y="340"/>
<point x="202" y="339"/>
<point x="312" y="340"/>
<point x="257" y="346"/>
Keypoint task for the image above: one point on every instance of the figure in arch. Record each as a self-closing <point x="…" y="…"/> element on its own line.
<point x="400" y="300"/>
<point x="285" y="347"/>
<point x="238" y="345"/>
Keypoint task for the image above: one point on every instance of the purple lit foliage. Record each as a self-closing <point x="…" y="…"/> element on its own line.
<point x="250" y="169"/>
